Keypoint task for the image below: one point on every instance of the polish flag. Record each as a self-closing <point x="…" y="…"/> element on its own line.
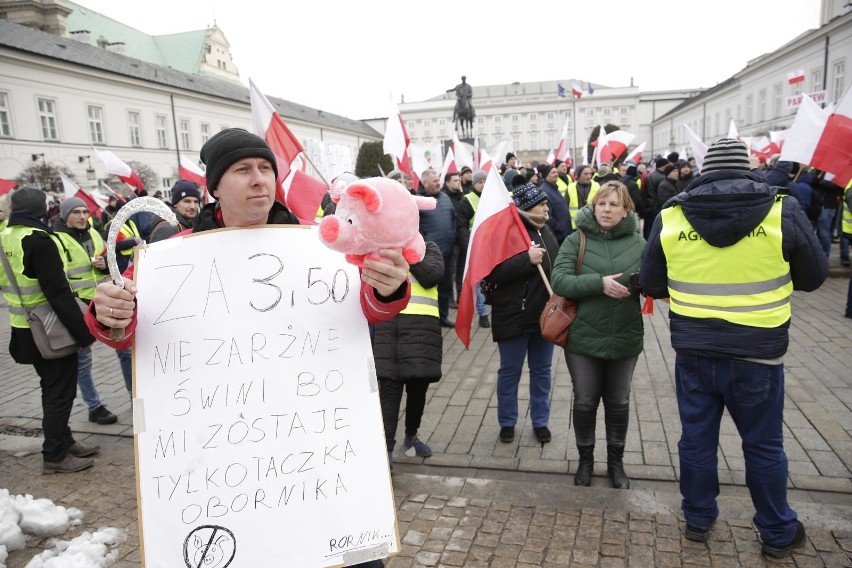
<point x="796" y="77"/>
<point x="115" y="166"/>
<point x="576" y="90"/>
<point x="551" y="158"/>
<point x="7" y="186"/>
<point x="563" y="150"/>
<point x="823" y="140"/>
<point x="778" y="137"/>
<point x="301" y="193"/>
<point x="497" y="234"/>
<point x="636" y="155"/>
<point x="111" y="192"/>
<point x="485" y="162"/>
<point x="616" y="144"/>
<point x="462" y="151"/>
<point x="477" y="155"/>
<point x="732" y="131"/>
<point x="699" y="148"/>
<point x="449" y="165"/>
<point x="397" y="144"/>
<point x="190" y="171"/>
<point x="73" y="190"/>
<point x="598" y="144"/>
<point x="763" y="148"/>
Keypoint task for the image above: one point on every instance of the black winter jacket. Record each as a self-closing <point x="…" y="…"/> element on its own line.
<point x="439" y="225"/>
<point x="42" y="261"/>
<point x="409" y="347"/>
<point x="723" y="207"/>
<point x="520" y="295"/>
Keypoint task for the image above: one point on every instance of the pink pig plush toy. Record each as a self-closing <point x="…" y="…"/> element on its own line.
<point x="372" y="214"/>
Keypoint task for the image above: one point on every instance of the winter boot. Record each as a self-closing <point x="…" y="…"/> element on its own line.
<point x="615" y="467"/>
<point x="583" y="477"/>
<point x="616" y="418"/>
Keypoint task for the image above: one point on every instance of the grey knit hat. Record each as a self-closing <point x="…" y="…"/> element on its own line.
<point x="29" y="200"/>
<point x="480" y="176"/>
<point x="68" y="205"/>
<point x="726" y="154"/>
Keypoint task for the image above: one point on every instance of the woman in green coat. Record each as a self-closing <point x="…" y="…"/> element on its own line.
<point x="607" y="335"/>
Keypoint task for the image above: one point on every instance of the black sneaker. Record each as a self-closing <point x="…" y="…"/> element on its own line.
<point x="484" y="321"/>
<point x="542" y="434"/>
<point x="785" y="550"/>
<point x="448" y="323"/>
<point x="695" y="534"/>
<point x="507" y="434"/>
<point x="102" y="416"/>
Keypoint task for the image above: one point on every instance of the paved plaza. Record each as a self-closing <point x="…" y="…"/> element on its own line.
<point x="478" y="502"/>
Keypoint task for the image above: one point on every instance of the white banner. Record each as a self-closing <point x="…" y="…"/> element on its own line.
<point x="258" y="429"/>
<point x="331" y="159"/>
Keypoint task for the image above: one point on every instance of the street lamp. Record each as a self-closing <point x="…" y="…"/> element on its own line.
<point x="90" y="171"/>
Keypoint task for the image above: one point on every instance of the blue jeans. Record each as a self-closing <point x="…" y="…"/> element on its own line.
<point x="824" y="229"/>
<point x="481" y="309"/>
<point x="844" y="242"/>
<point x="512" y="354"/>
<point x="85" y="381"/>
<point x="754" y="396"/>
<point x="125" y="359"/>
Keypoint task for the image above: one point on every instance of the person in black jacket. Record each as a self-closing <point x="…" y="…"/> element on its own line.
<point x="32" y="248"/>
<point x="439" y="225"/>
<point x="408" y="350"/>
<point x="517" y="301"/>
<point x="728" y="253"/>
<point x="667" y="187"/>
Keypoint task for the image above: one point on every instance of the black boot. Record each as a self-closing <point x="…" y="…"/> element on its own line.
<point x="615" y="467"/>
<point x="583" y="477"/>
<point x="616" y="418"/>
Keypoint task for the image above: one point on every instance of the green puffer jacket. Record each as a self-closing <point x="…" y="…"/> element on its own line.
<point x="605" y="328"/>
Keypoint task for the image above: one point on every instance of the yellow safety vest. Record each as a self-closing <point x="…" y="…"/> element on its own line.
<point x="31" y="292"/>
<point x="846" y="227"/>
<point x="747" y="283"/>
<point x="82" y="276"/>
<point x="129" y="230"/>
<point x="562" y="187"/>
<point x="574" y="199"/>
<point x="473" y="198"/>
<point x="423" y="302"/>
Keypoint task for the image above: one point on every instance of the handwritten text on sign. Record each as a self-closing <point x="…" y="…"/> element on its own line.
<point x="259" y="430"/>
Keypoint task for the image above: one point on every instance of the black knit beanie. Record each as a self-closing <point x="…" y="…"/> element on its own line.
<point x="29" y="200"/>
<point x="726" y="154"/>
<point x="229" y="146"/>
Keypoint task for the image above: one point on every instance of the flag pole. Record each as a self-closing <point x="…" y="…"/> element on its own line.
<point x="316" y="169"/>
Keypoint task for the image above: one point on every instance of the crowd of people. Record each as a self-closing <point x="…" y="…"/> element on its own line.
<point x="600" y="235"/>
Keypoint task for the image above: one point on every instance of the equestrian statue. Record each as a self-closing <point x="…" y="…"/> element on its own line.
<point x="463" y="113"/>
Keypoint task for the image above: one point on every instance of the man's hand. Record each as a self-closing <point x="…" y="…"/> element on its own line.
<point x="536" y="254"/>
<point x="114" y="306"/>
<point x="99" y="262"/>
<point x="386" y="276"/>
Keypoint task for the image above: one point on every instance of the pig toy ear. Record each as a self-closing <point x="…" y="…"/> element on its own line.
<point x="366" y="193"/>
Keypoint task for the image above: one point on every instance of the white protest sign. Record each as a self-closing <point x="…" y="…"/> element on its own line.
<point x="259" y="436"/>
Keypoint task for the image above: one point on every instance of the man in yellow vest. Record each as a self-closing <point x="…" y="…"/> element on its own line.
<point x="464" y="223"/>
<point x="32" y="252"/>
<point x="85" y="249"/>
<point x="728" y="255"/>
<point x="846" y="228"/>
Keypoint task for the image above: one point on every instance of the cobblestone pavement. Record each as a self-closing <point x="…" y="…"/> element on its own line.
<point x="477" y="502"/>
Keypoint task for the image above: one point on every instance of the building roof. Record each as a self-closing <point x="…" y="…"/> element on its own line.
<point x="43" y="44"/>
<point x="547" y="88"/>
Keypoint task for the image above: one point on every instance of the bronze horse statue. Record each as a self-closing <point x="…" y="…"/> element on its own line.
<point x="463" y="113"/>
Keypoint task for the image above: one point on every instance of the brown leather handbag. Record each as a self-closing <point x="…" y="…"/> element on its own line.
<point x="560" y="312"/>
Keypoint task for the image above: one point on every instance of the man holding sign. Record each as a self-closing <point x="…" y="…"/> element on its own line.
<point x="241" y="174"/>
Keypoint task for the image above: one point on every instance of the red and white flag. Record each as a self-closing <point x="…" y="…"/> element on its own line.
<point x="190" y="171"/>
<point x="301" y="193"/>
<point x="117" y="167"/>
<point x="449" y="166"/>
<point x="73" y="190"/>
<point x="7" y="186"/>
<point x="732" y="131"/>
<point x="823" y="140"/>
<point x="699" y="148"/>
<point x="397" y="144"/>
<point x="576" y="90"/>
<point x="497" y="234"/>
<point x="477" y="155"/>
<point x="462" y="152"/>
<point x="485" y="161"/>
<point x="615" y="144"/>
<point x="563" y="148"/>
<point x="597" y="145"/>
<point x="763" y="148"/>
<point x="636" y="155"/>
<point x="796" y="77"/>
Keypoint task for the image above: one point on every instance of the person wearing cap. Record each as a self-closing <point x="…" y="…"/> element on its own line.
<point x="241" y="175"/>
<point x="186" y="197"/>
<point x="85" y="269"/>
<point x="510" y="172"/>
<point x="728" y="254"/>
<point x="562" y="180"/>
<point x="518" y="298"/>
<point x="667" y="187"/>
<point x="38" y="267"/>
<point x="581" y="191"/>
<point x="607" y="335"/>
<point x="109" y="211"/>
<point x="464" y="223"/>
<point x="466" y="175"/>
<point x="559" y="219"/>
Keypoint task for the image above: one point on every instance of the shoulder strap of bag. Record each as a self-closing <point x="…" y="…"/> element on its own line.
<point x="11" y="275"/>
<point x="582" y="252"/>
